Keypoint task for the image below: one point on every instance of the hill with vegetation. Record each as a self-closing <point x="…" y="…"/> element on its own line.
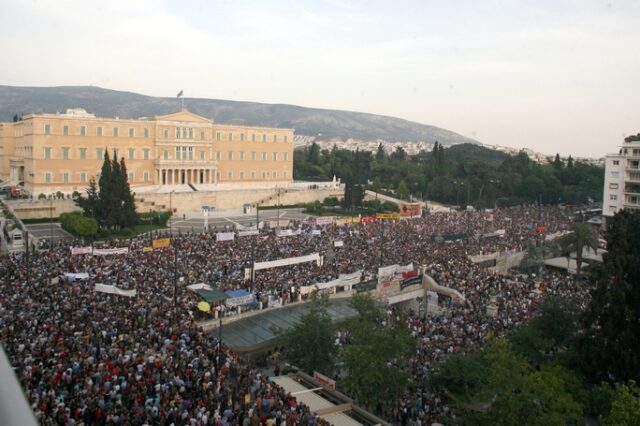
<point x="329" y="124"/>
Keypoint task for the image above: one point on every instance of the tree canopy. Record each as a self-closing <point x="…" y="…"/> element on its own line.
<point x="484" y="177"/>
<point x="111" y="203"/>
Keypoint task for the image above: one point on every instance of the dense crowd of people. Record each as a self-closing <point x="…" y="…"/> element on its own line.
<point x="85" y="357"/>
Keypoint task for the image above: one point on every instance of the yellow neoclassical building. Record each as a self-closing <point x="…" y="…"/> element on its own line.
<point x="61" y="152"/>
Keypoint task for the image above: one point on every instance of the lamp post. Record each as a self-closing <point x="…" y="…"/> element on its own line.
<point x="171" y="213"/>
<point x="28" y="260"/>
<point x="175" y="274"/>
<point x="51" y="224"/>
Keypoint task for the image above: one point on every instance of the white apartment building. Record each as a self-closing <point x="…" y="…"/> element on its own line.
<point x="622" y="179"/>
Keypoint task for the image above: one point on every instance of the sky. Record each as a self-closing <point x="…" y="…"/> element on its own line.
<point x="554" y="76"/>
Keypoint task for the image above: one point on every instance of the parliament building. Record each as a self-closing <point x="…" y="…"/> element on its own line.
<point x="63" y="151"/>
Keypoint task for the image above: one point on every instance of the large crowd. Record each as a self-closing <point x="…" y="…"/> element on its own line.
<point x="85" y="357"/>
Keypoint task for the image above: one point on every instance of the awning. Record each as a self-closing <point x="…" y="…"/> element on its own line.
<point x="211" y="296"/>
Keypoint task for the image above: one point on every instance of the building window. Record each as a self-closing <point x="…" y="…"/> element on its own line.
<point x="145" y="153"/>
<point x="241" y="175"/>
<point x="229" y="155"/>
<point x="253" y="155"/>
<point x="285" y="139"/>
<point x="189" y="152"/>
<point x="253" y="137"/>
<point x="612" y="209"/>
<point x="201" y="155"/>
<point x="65" y="130"/>
<point x="230" y="175"/>
<point x="275" y="138"/>
<point x="286" y="156"/>
<point x="130" y="176"/>
<point x="83" y="177"/>
<point x="83" y="130"/>
<point x="65" y="177"/>
<point x="286" y="174"/>
<point x="264" y="138"/>
<point x="83" y="153"/>
<point x="217" y="136"/>
<point x="99" y="131"/>
<point x="116" y="132"/>
<point x="47" y="129"/>
<point x="613" y="197"/>
<point x="275" y="174"/>
<point x="47" y="177"/>
<point x="166" y="133"/>
<point x="145" y="176"/>
<point x="241" y="137"/>
<point x="131" y="132"/>
<point x="275" y="156"/>
<point x="116" y="154"/>
<point x="253" y="175"/>
<point x="146" y="132"/>
<point x="217" y="155"/>
<point x="241" y="155"/>
<point x="178" y="153"/>
<point x="99" y="153"/>
<point x="264" y="175"/>
<point x="230" y="137"/>
<point x="201" y="135"/>
<point x="47" y="153"/>
<point x="217" y="176"/>
<point x="616" y="162"/>
<point x="132" y="153"/>
<point x="613" y="186"/>
<point x="615" y="174"/>
<point x="165" y="154"/>
<point x="264" y="156"/>
<point x="65" y="153"/>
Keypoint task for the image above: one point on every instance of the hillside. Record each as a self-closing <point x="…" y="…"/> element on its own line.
<point x="306" y="121"/>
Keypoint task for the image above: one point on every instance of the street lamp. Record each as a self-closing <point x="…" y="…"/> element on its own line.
<point x="51" y="224"/>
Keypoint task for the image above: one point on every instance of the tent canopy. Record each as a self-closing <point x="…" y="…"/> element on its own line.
<point x="211" y="296"/>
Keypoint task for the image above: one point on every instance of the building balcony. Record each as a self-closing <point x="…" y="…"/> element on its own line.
<point x="632" y="177"/>
<point x="632" y="198"/>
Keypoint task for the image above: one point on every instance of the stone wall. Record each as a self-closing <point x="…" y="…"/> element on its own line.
<point x="185" y="201"/>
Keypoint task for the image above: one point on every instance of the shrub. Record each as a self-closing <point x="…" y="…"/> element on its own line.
<point x="41" y="196"/>
<point x="331" y="201"/>
<point x="78" y="224"/>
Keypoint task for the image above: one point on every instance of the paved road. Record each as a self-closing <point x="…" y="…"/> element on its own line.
<point x="228" y="220"/>
<point x="44" y="230"/>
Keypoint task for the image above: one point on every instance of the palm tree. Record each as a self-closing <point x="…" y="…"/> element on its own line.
<point x="581" y="237"/>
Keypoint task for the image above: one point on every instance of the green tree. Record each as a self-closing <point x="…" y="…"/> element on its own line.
<point x="609" y="347"/>
<point x="557" y="320"/>
<point x="581" y="236"/>
<point x="90" y="203"/>
<point x="569" y="163"/>
<point x="557" y="162"/>
<point x="314" y="154"/>
<point x="402" y="192"/>
<point x="625" y="407"/>
<point x="309" y="343"/>
<point x="374" y="359"/>
<point x="106" y="203"/>
<point x="380" y="154"/>
<point x="129" y="215"/>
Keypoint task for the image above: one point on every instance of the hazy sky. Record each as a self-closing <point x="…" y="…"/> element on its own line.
<point x="554" y="76"/>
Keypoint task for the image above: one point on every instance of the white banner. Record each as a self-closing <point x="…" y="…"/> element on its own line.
<point x="406" y="268"/>
<point x="348" y="280"/>
<point x="338" y="243"/>
<point x="72" y="276"/>
<point x="107" y="252"/>
<point x="199" y="286"/>
<point x="111" y="289"/>
<point x="239" y="301"/>
<point x="225" y="236"/>
<point x="387" y="270"/>
<point x="287" y="232"/>
<point x="248" y="233"/>
<point x="314" y="257"/>
<point x="316" y="232"/>
<point x="80" y="250"/>
<point x="326" y="220"/>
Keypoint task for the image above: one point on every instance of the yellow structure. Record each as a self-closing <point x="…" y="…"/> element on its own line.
<point x="61" y="152"/>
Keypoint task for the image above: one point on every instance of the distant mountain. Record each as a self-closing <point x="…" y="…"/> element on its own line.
<point x="306" y="121"/>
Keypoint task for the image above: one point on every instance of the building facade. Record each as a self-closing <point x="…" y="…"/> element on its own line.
<point x="622" y="179"/>
<point x="62" y="152"/>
